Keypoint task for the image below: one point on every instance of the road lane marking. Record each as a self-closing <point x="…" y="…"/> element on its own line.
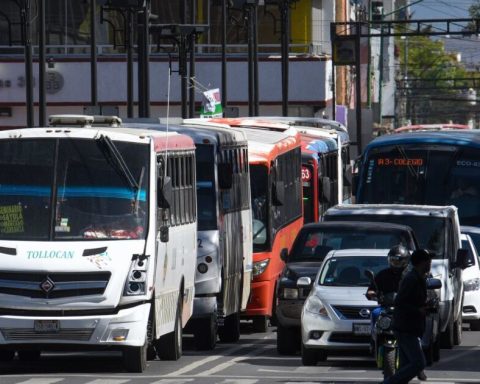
<point x="41" y="381"/>
<point x="108" y="381"/>
<point x="229" y="363"/>
<point x="172" y="381"/>
<point x="239" y="381"/>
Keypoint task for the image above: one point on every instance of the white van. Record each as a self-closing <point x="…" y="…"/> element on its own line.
<point x="97" y="240"/>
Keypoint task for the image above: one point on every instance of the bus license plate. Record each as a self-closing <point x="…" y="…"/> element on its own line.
<point x="361" y="329"/>
<point x="46" y="326"/>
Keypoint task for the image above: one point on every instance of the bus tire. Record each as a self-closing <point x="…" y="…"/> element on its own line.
<point x="230" y="332"/>
<point x="205" y="333"/>
<point x="29" y="355"/>
<point x="286" y="341"/>
<point x="135" y="358"/>
<point x="170" y="345"/>
<point x="260" y="324"/>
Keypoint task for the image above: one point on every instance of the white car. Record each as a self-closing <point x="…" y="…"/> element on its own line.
<point x="336" y="314"/>
<point x="471" y="287"/>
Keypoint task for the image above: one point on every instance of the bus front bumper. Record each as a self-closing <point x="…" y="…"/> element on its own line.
<point x="127" y="327"/>
<point x="261" y="299"/>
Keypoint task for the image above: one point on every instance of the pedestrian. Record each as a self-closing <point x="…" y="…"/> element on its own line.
<point x="409" y="318"/>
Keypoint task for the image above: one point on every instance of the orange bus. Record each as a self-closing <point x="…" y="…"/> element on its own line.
<point x="276" y="192"/>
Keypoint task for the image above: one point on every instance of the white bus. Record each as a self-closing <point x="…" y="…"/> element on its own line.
<point x="97" y="240"/>
<point x="224" y="259"/>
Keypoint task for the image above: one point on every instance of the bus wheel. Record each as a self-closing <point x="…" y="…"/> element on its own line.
<point x="135" y="358"/>
<point x="6" y="355"/>
<point x="205" y="333"/>
<point x="286" y="340"/>
<point x="29" y="355"/>
<point x="170" y="345"/>
<point x="230" y="332"/>
<point x="260" y="324"/>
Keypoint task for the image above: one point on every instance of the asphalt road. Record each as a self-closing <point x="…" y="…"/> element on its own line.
<point x="252" y="360"/>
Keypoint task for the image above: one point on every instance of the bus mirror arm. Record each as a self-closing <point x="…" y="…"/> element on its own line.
<point x="326" y="189"/>
<point x="284" y="254"/>
<point x="354" y="184"/>
<point x="164" y="234"/>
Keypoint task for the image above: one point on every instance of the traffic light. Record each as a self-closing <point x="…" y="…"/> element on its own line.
<point x="376" y="11"/>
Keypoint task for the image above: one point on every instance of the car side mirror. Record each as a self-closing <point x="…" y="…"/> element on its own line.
<point x="304" y="282"/>
<point x="225" y="175"/>
<point x="464" y="259"/>
<point x="284" y="255"/>
<point x="164" y="192"/>
<point x="433" y="283"/>
<point x="278" y="193"/>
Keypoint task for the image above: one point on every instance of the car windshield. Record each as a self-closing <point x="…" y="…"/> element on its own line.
<point x="314" y="244"/>
<point x="91" y="195"/>
<point x="434" y="175"/>
<point x="475" y="239"/>
<point x="430" y="232"/>
<point x="206" y="193"/>
<point x="259" y="193"/>
<point x="349" y="271"/>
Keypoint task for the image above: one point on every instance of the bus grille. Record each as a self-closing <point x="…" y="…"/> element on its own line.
<point x="72" y="334"/>
<point x="53" y="285"/>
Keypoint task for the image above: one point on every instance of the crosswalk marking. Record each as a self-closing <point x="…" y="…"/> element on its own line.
<point x="239" y="381"/>
<point x="108" y="381"/>
<point x="41" y="381"/>
<point x="172" y="381"/>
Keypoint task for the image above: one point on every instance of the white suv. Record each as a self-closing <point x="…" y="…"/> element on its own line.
<point x="336" y="314"/>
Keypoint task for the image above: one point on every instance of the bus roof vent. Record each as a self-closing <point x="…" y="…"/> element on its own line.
<point x="84" y="120"/>
<point x="77" y="120"/>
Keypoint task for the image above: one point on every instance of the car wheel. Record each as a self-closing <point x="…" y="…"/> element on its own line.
<point x="286" y="341"/>
<point x="309" y="357"/>
<point x="447" y="337"/>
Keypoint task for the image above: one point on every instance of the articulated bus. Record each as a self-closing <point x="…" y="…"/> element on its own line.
<point x="224" y="259"/>
<point x="98" y="240"/>
<point x="276" y="192"/>
<point x="435" y="168"/>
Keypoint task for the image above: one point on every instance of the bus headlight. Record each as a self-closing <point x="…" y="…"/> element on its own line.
<point x="137" y="278"/>
<point x="260" y="266"/>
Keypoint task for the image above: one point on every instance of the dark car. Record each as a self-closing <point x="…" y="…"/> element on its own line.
<point x="312" y="244"/>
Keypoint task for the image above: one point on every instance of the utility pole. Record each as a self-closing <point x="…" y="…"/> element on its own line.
<point x="224" y="55"/>
<point x="93" y="53"/>
<point x="27" y="42"/>
<point x="129" y="34"/>
<point x="285" y="40"/>
<point x="183" y="60"/>
<point x="42" y="103"/>
<point x="193" y="38"/>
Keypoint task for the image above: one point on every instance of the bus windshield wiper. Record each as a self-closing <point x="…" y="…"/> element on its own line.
<point x="112" y="154"/>
<point x="410" y="167"/>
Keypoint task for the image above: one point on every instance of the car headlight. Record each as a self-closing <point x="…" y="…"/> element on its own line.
<point x="315" y="305"/>
<point x="472" y="284"/>
<point x="290" y="293"/>
<point x="260" y="266"/>
<point x="384" y="323"/>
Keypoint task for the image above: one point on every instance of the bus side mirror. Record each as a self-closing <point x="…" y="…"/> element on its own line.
<point x="284" y="255"/>
<point x="354" y="184"/>
<point x="326" y="189"/>
<point x="225" y="175"/>
<point x="433" y="283"/>
<point x="164" y="234"/>
<point x="348" y="175"/>
<point x="278" y="192"/>
<point x="164" y="192"/>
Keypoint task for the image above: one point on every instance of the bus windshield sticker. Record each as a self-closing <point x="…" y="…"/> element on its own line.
<point x="399" y="162"/>
<point x="11" y="219"/>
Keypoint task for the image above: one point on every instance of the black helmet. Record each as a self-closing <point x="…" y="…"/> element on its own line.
<point x="398" y="257"/>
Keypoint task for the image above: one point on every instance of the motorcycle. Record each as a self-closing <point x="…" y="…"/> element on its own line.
<point x="384" y="343"/>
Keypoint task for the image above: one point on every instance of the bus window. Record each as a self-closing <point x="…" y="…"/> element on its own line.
<point x="206" y="196"/>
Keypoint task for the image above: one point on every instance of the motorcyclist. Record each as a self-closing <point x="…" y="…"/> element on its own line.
<point x="388" y="279"/>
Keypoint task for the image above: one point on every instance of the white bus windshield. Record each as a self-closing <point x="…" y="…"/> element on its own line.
<point x="89" y="194"/>
<point x="433" y="175"/>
